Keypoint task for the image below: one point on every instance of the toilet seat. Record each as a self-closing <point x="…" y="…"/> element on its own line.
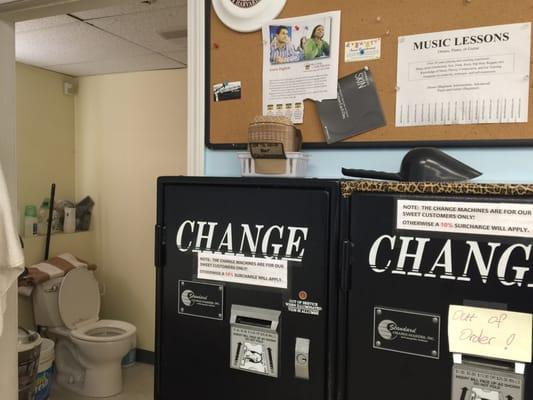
<point x="104" y="331"/>
<point x="79" y="298"/>
<point x="79" y="307"/>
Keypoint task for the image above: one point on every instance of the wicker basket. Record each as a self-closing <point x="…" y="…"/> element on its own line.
<point x="274" y="129"/>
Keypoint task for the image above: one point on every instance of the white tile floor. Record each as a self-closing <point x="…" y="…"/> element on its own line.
<point x="138" y="385"/>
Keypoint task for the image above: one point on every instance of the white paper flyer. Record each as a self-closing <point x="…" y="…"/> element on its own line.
<point x="300" y="61"/>
<point x="467" y="76"/>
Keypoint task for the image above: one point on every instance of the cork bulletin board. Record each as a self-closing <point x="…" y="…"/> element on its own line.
<point x="234" y="56"/>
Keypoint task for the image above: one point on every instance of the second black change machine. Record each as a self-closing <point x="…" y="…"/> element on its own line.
<point x="328" y="290"/>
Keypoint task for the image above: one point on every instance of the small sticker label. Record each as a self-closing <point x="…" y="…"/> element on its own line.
<point x="303" y="307"/>
<point x="244" y="270"/>
<point x="408" y="332"/>
<point x="362" y="50"/>
<point x="227" y="91"/>
<point x="200" y="299"/>
<point x="267" y="150"/>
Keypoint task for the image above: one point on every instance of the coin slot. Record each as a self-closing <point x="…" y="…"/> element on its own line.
<point x="254" y="322"/>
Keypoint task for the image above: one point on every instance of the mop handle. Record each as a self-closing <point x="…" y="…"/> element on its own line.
<point x="49" y="226"/>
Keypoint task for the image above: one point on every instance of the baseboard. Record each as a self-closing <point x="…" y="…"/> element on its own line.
<point x="145" y="356"/>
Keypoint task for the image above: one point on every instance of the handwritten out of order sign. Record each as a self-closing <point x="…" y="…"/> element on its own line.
<point x="484" y="332"/>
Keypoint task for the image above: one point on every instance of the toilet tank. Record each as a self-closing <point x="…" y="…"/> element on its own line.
<point x="45" y="303"/>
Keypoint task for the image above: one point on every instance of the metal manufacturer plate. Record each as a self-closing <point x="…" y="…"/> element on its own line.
<point x="476" y="382"/>
<point x="408" y="332"/>
<point x="198" y="299"/>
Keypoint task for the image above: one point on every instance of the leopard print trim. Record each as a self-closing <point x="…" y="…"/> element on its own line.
<point x="478" y="189"/>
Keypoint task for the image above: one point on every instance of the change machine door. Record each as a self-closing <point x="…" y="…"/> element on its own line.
<point x="244" y="281"/>
<point x="440" y="301"/>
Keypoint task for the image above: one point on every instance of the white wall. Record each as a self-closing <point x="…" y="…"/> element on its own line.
<point x="130" y="129"/>
<point x="8" y="340"/>
<point x="45" y="155"/>
<point x="45" y="136"/>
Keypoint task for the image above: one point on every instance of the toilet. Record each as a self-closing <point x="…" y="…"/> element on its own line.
<point x="88" y="350"/>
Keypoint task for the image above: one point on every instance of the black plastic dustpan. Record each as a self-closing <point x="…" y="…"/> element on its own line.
<point x="425" y="164"/>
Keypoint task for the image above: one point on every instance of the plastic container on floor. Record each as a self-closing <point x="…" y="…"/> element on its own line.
<point x="295" y="165"/>
<point x="43" y="382"/>
<point x="129" y="359"/>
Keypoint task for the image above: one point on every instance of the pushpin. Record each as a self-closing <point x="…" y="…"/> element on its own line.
<point x="387" y="33"/>
<point x="215" y="45"/>
<point x="378" y="18"/>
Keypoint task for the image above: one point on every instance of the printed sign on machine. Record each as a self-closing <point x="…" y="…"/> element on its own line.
<point x="243" y="270"/>
<point x="499" y="219"/>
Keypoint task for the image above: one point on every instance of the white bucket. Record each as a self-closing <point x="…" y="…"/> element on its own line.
<point x="45" y="370"/>
<point x="28" y="347"/>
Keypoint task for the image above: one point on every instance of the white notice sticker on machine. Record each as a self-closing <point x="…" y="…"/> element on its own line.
<point x="244" y="270"/>
<point x="496" y="219"/>
<point x="303" y="307"/>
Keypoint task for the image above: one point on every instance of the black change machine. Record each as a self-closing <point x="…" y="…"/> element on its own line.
<point x="343" y="290"/>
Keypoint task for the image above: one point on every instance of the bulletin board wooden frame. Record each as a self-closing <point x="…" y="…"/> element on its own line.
<point x="235" y="56"/>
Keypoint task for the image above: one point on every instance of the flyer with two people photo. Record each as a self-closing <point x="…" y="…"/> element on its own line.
<point x="300" y="61"/>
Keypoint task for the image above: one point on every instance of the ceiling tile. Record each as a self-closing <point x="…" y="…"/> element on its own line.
<point x="130" y="7"/>
<point x="180" y="56"/>
<point x="125" y="64"/>
<point x="43" y="23"/>
<point x="72" y="43"/>
<point x="144" y="28"/>
<point x="116" y="39"/>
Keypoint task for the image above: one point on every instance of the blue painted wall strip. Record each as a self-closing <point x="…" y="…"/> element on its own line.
<point x="509" y="165"/>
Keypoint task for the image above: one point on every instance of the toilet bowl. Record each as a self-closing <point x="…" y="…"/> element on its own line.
<point x="88" y="350"/>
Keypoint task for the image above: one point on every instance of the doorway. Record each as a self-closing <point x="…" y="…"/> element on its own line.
<point x="115" y="151"/>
